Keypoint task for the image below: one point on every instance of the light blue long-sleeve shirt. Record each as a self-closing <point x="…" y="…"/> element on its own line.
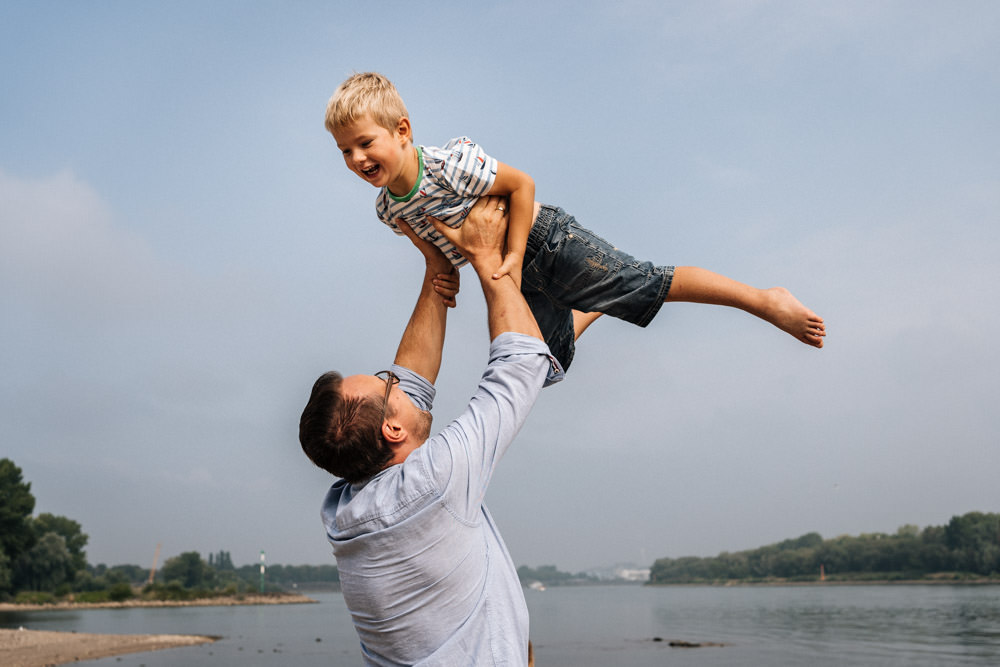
<point x="424" y="571"/>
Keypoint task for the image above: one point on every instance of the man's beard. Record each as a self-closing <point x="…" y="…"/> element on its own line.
<point x="424" y="424"/>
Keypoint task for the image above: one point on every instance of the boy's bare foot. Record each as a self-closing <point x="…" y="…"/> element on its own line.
<point x="787" y="313"/>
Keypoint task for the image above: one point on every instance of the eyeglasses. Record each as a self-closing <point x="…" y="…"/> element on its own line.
<point x="390" y="379"/>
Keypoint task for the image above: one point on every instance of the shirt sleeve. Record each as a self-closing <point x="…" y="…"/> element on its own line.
<point x="466" y="168"/>
<point x="418" y="388"/>
<point x="467" y="451"/>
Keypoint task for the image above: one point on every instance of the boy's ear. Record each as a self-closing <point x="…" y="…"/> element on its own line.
<point x="403" y="129"/>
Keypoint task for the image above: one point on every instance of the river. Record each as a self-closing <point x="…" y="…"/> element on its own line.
<point x="623" y="626"/>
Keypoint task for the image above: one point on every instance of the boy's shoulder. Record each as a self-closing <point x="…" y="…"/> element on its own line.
<point x="453" y="148"/>
<point x="461" y="156"/>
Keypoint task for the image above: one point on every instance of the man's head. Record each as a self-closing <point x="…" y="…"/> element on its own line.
<point x="367" y="93"/>
<point x="349" y="429"/>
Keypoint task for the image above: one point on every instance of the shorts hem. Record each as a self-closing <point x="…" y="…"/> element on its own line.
<point x="668" y="279"/>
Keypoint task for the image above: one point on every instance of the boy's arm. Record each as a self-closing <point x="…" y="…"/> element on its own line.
<point x="519" y="187"/>
<point x="446" y="280"/>
<point x="422" y="343"/>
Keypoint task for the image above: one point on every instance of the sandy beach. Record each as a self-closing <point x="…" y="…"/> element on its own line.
<point x="283" y="598"/>
<point x="37" y="648"/>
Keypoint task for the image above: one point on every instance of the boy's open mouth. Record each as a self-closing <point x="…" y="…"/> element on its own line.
<point x="370" y="171"/>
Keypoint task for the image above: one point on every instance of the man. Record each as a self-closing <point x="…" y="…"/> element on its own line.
<point x="424" y="571"/>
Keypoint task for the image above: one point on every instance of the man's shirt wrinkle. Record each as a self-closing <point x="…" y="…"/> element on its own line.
<point x="391" y="501"/>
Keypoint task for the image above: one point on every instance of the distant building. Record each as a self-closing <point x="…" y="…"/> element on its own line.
<point x="632" y="573"/>
<point x="621" y="572"/>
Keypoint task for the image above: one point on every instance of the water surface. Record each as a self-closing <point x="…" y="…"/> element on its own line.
<point x="816" y="626"/>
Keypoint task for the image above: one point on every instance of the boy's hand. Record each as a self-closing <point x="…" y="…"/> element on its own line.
<point x="511" y="266"/>
<point x="446" y="284"/>
<point x="446" y="280"/>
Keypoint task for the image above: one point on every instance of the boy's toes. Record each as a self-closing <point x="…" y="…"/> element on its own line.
<point x="816" y="340"/>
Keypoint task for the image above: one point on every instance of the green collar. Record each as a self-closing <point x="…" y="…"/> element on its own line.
<point x="416" y="185"/>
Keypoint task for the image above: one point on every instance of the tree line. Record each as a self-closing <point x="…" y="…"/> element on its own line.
<point x="967" y="547"/>
<point x="42" y="558"/>
<point x="550" y="576"/>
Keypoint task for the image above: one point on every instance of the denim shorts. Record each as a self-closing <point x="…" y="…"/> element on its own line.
<point x="567" y="267"/>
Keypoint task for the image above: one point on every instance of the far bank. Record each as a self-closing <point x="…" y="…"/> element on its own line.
<point x="221" y="601"/>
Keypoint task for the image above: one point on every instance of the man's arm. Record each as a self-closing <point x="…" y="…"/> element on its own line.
<point x="520" y="189"/>
<point x="423" y="339"/>
<point x="519" y="364"/>
<point x="480" y="239"/>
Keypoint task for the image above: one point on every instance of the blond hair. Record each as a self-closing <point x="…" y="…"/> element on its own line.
<point x="365" y="93"/>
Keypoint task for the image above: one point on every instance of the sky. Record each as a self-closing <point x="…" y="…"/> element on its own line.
<point x="183" y="252"/>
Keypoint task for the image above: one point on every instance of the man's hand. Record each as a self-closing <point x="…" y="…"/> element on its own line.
<point x="481" y="237"/>
<point x="481" y="240"/>
<point x="446" y="279"/>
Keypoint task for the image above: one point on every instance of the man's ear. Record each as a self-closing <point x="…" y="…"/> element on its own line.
<point x="398" y="439"/>
<point x="393" y="432"/>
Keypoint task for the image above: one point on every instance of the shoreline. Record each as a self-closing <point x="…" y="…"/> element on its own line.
<point x="732" y="583"/>
<point x="43" y="648"/>
<point x="289" y="598"/>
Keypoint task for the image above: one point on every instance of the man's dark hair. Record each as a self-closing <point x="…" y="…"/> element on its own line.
<point x="343" y="435"/>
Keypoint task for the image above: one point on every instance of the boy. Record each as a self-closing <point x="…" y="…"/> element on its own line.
<point x="568" y="275"/>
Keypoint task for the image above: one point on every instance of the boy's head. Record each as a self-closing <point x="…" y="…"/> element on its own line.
<point x="365" y="93"/>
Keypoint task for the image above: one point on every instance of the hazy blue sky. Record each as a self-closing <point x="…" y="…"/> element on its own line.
<point x="182" y="252"/>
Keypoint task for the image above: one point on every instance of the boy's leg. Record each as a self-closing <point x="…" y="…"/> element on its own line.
<point x="581" y="321"/>
<point x="775" y="305"/>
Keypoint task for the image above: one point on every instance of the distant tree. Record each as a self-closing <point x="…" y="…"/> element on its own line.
<point x="807" y="541"/>
<point x="732" y="566"/>
<point x="188" y="570"/>
<point x="44" y="566"/>
<point x="16" y="506"/>
<point x="6" y="574"/>
<point x="221" y="561"/>
<point x="120" y="591"/>
<point x="932" y="550"/>
<point x="974" y="541"/>
<point x="69" y="530"/>
<point x="131" y="573"/>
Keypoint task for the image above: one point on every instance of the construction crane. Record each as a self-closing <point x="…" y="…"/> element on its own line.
<point x="152" y="572"/>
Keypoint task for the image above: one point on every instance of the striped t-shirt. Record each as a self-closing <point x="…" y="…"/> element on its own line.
<point x="450" y="179"/>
